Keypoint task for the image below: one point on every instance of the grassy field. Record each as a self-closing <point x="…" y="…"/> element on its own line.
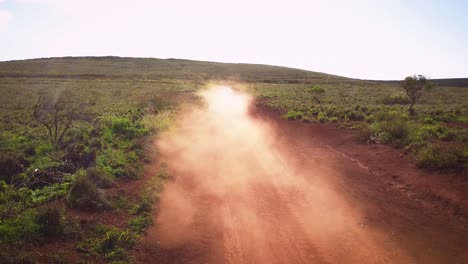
<point x="104" y="148"/>
<point x="123" y="102"/>
<point x="435" y="136"/>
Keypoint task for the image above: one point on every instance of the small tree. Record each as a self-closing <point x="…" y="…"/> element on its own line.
<point x="57" y="114"/>
<point x="415" y="86"/>
<point x="317" y="92"/>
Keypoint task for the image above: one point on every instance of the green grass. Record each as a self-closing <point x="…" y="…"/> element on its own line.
<point x="379" y="114"/>
<point x="105" y="147"/>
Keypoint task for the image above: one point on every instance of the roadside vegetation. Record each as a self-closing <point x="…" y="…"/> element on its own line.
<point x="429" y="122"/>
<point x="68" y="148"/>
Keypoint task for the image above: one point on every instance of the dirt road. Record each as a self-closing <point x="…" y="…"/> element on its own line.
<point x="252" y="188"/>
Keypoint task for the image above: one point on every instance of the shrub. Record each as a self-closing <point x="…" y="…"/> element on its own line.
<point x="395" y="99"/>
<point x="50" y="220"/>
<point x="131" y="172"/>
<point x="429" y="121"/>
<point x="144" y="207"/>
<point x="436" y="156"/>
<point x="116" y="238"/>
<point x="163" y="174"/>
<point x="356" y="116"/>
<point x="123" y="126"/>
<point x="427" y="132"/>
<point x="85" y="195"/>
<point x="369" y="119"/>
<point x="364" y="133"/>
<point x="111" y="242"/>
<point x="100" y="177"/>
<point x="159" y="122"/>
<point x="322" y="116"/>
<point x="10" y="164"/>
<point x="292" y="115"/>
<point x="80" y="154"/>
<point x="51" y="192"/>
<point x="392" y="127"/>
<point x="450" y="134"/>
<point x="16" y="230"/>
<point x="140" y="223"/>
<point x="119" y="163"/>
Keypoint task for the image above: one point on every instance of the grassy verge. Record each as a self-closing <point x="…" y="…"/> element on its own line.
<point x="435" y="136"/>
<point x="54" y="193"/>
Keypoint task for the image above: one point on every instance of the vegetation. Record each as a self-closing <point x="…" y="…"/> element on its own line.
<point x="316" y="92"/>
<point x="73" y="131"/>
<point x="70" y="143"/>
<point x="435" y="134"/>
<point x="414" y="87"/>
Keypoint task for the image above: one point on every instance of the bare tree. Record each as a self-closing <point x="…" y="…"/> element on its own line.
<point x="415" y="86"/>
<point x="57" y="115"/>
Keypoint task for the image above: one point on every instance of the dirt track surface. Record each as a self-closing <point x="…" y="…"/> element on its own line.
<point x="269" y="190"/>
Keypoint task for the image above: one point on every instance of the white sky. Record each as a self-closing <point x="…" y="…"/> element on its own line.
<point x="362" y="39"/>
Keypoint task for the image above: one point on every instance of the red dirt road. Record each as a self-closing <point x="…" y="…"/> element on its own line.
<point x="253" y="188"/>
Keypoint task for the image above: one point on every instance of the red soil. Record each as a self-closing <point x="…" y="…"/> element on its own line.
<point x="314" y="196"/>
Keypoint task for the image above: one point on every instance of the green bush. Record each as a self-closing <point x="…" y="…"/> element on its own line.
<point x="364" y="133"/>
<point x="159" y="122"/>
<point x="395" y="99"/>
<point x="12" y="200"/>
<point x="292" y="115"/>
<point x="100" y="177"/>
<point x="111" y="243"/>
<point x="164" y="175"/>
<point x="451" y="134"/>
<point x="427" y="132"/>
<point x="356" y="116"/>
<point x="429" y="120"/>
<point x="436" y="156"/>
<point x="123" y="126"/>
<point x="10" y="164"/>
<point x="119" y="163"/>
<point x="85" y="195"/>
<point x="144" y="207"/>
<point x="322" y="116"/>
<point x="392" y="127"/>
<point x="18" y="229"/>
<point x="369" y="119"/>
<point x="140" y="223"/>
<point x="51" y="192"/>
<point x="50" y="220"/>
<point x="81" y="154"/>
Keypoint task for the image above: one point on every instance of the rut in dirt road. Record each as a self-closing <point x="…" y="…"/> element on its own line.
<point x="246" y="193"/>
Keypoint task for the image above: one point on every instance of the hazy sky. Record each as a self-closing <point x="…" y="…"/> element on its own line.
<point x="363" y="39"/>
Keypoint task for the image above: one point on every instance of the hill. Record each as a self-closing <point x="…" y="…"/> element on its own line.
<point x="157" y="69"/>
<point x="448" y="82"/>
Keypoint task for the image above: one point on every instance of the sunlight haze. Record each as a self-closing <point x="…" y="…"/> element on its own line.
<point x="360" y="39"/>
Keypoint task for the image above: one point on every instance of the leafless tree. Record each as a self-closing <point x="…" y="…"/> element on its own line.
<point x="57" y="115"/>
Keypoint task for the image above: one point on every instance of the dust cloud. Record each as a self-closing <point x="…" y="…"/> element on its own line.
<point x="242" y="195"/>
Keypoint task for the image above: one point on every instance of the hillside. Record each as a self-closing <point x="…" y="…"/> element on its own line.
<point x="448" y="82"/>
<point x="157" y="69"/>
